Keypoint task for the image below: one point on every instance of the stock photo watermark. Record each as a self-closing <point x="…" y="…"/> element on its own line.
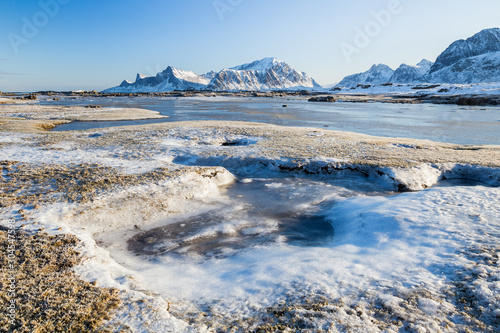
<point x="380" y="20"/>
<point x="222" y="7"/>
<point x="10" y="272"/>
<point x="31" y="26"/>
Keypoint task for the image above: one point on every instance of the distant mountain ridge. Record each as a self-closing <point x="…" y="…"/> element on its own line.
<point x="377" y="74"/>
<point x="485" y="41"/>
<point x="380" y="74"/>
<point x="473" y="60"/>
<point x="168" y="80"/>
<point x="411" y="74"/>
<point x="260" y="75"/>
<point x="265" y="74"/>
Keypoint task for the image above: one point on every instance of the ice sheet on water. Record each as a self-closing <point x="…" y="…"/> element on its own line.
<point x="256" y="212"/>
<point x="383" y="246"/>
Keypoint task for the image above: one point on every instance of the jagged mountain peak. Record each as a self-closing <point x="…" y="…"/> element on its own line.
<point x="259" y="65"/>
<point x="125" y="83"/>
<point x="209" y="75"/>
<point x="377" y="74"/>
<point x="265" y="74"/>
<point x="381" y="73"/>
<point x="411" y="73"/>
<point x="425" y="63"/>
<point x="483" y="42"/>
<point x="379" y="67"/>
<point x="472" y="60"/>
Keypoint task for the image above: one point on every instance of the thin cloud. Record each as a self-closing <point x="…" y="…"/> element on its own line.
<point x="4" y="73"/>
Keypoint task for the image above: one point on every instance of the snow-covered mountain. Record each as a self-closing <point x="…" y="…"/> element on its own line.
<point x="168" y="80"/>
<point x="479" y="69"/>
<point x="474" y="60"/>
<point x="483" y="42"/>
<point x="265" y="74"/>
<point x="411" y="74"/>
<point x="377" y="74"/>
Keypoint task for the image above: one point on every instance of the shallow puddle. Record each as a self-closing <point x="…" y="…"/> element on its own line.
<point x="258" y="211"/>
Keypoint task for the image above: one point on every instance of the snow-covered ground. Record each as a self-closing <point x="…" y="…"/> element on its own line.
<point x="413" y="256"/>
<point x="286" y="228"/>
<point x="423" y="88"/>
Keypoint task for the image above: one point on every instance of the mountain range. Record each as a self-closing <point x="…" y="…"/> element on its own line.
<point x="261" y="75"/>
<point x="473" y="60"/>
<point x="380" y="74"/>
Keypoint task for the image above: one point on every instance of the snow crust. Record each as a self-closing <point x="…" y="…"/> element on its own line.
<point x="384" y="248"/>
<point x="403" y="254"/>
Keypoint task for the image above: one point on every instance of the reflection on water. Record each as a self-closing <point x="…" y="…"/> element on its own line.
<point x="256" y="212"/>
<point x="216" y="235"/>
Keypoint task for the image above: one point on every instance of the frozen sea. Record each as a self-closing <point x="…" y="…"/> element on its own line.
<point x="344" y="254"/>
<point x="442" y="123"/>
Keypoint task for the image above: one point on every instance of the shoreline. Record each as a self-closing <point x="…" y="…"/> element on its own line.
<point x="34" y="118"/>
<point x="428" y="93"/>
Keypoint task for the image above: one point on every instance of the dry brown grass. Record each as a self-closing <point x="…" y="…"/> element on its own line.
<point x="32" y="185"/>
<point x="49" y="296"/>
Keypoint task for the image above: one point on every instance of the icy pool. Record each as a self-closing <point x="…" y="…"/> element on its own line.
<point x="257" y="212"/>
<point x="269" y="240"/>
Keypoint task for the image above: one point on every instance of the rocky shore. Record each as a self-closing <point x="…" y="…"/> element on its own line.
<point x="422" y="95"/>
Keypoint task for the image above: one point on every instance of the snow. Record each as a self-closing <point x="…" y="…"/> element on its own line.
<point x="478" y="69"/>
<point x="424" y="66"/>
<point x="168" y="80"/>
<point x="403" y="254"/>
<point x="483" y="42"/>
<point x="260" y="75"/>
<point x="259" y="65"/>
<point x="406" y="242"/>
<point x="492" y="88"/>
<point x="474" y="60"/>
<point x="377" y="74"/>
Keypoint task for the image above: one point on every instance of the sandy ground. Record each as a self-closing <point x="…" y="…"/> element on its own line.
<point x="41" y="168"/>
<point x="35" y="118"/>
<point x="6" y="100"/>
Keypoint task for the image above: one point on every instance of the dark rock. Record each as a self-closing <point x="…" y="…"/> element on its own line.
<point x="426" y="87"/>
<point x="31" y="97"/>
<point x="476" y="101"/>
<point x="328" y="99"/>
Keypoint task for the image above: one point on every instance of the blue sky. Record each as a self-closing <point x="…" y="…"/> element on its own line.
<point x="76" y="44"/>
